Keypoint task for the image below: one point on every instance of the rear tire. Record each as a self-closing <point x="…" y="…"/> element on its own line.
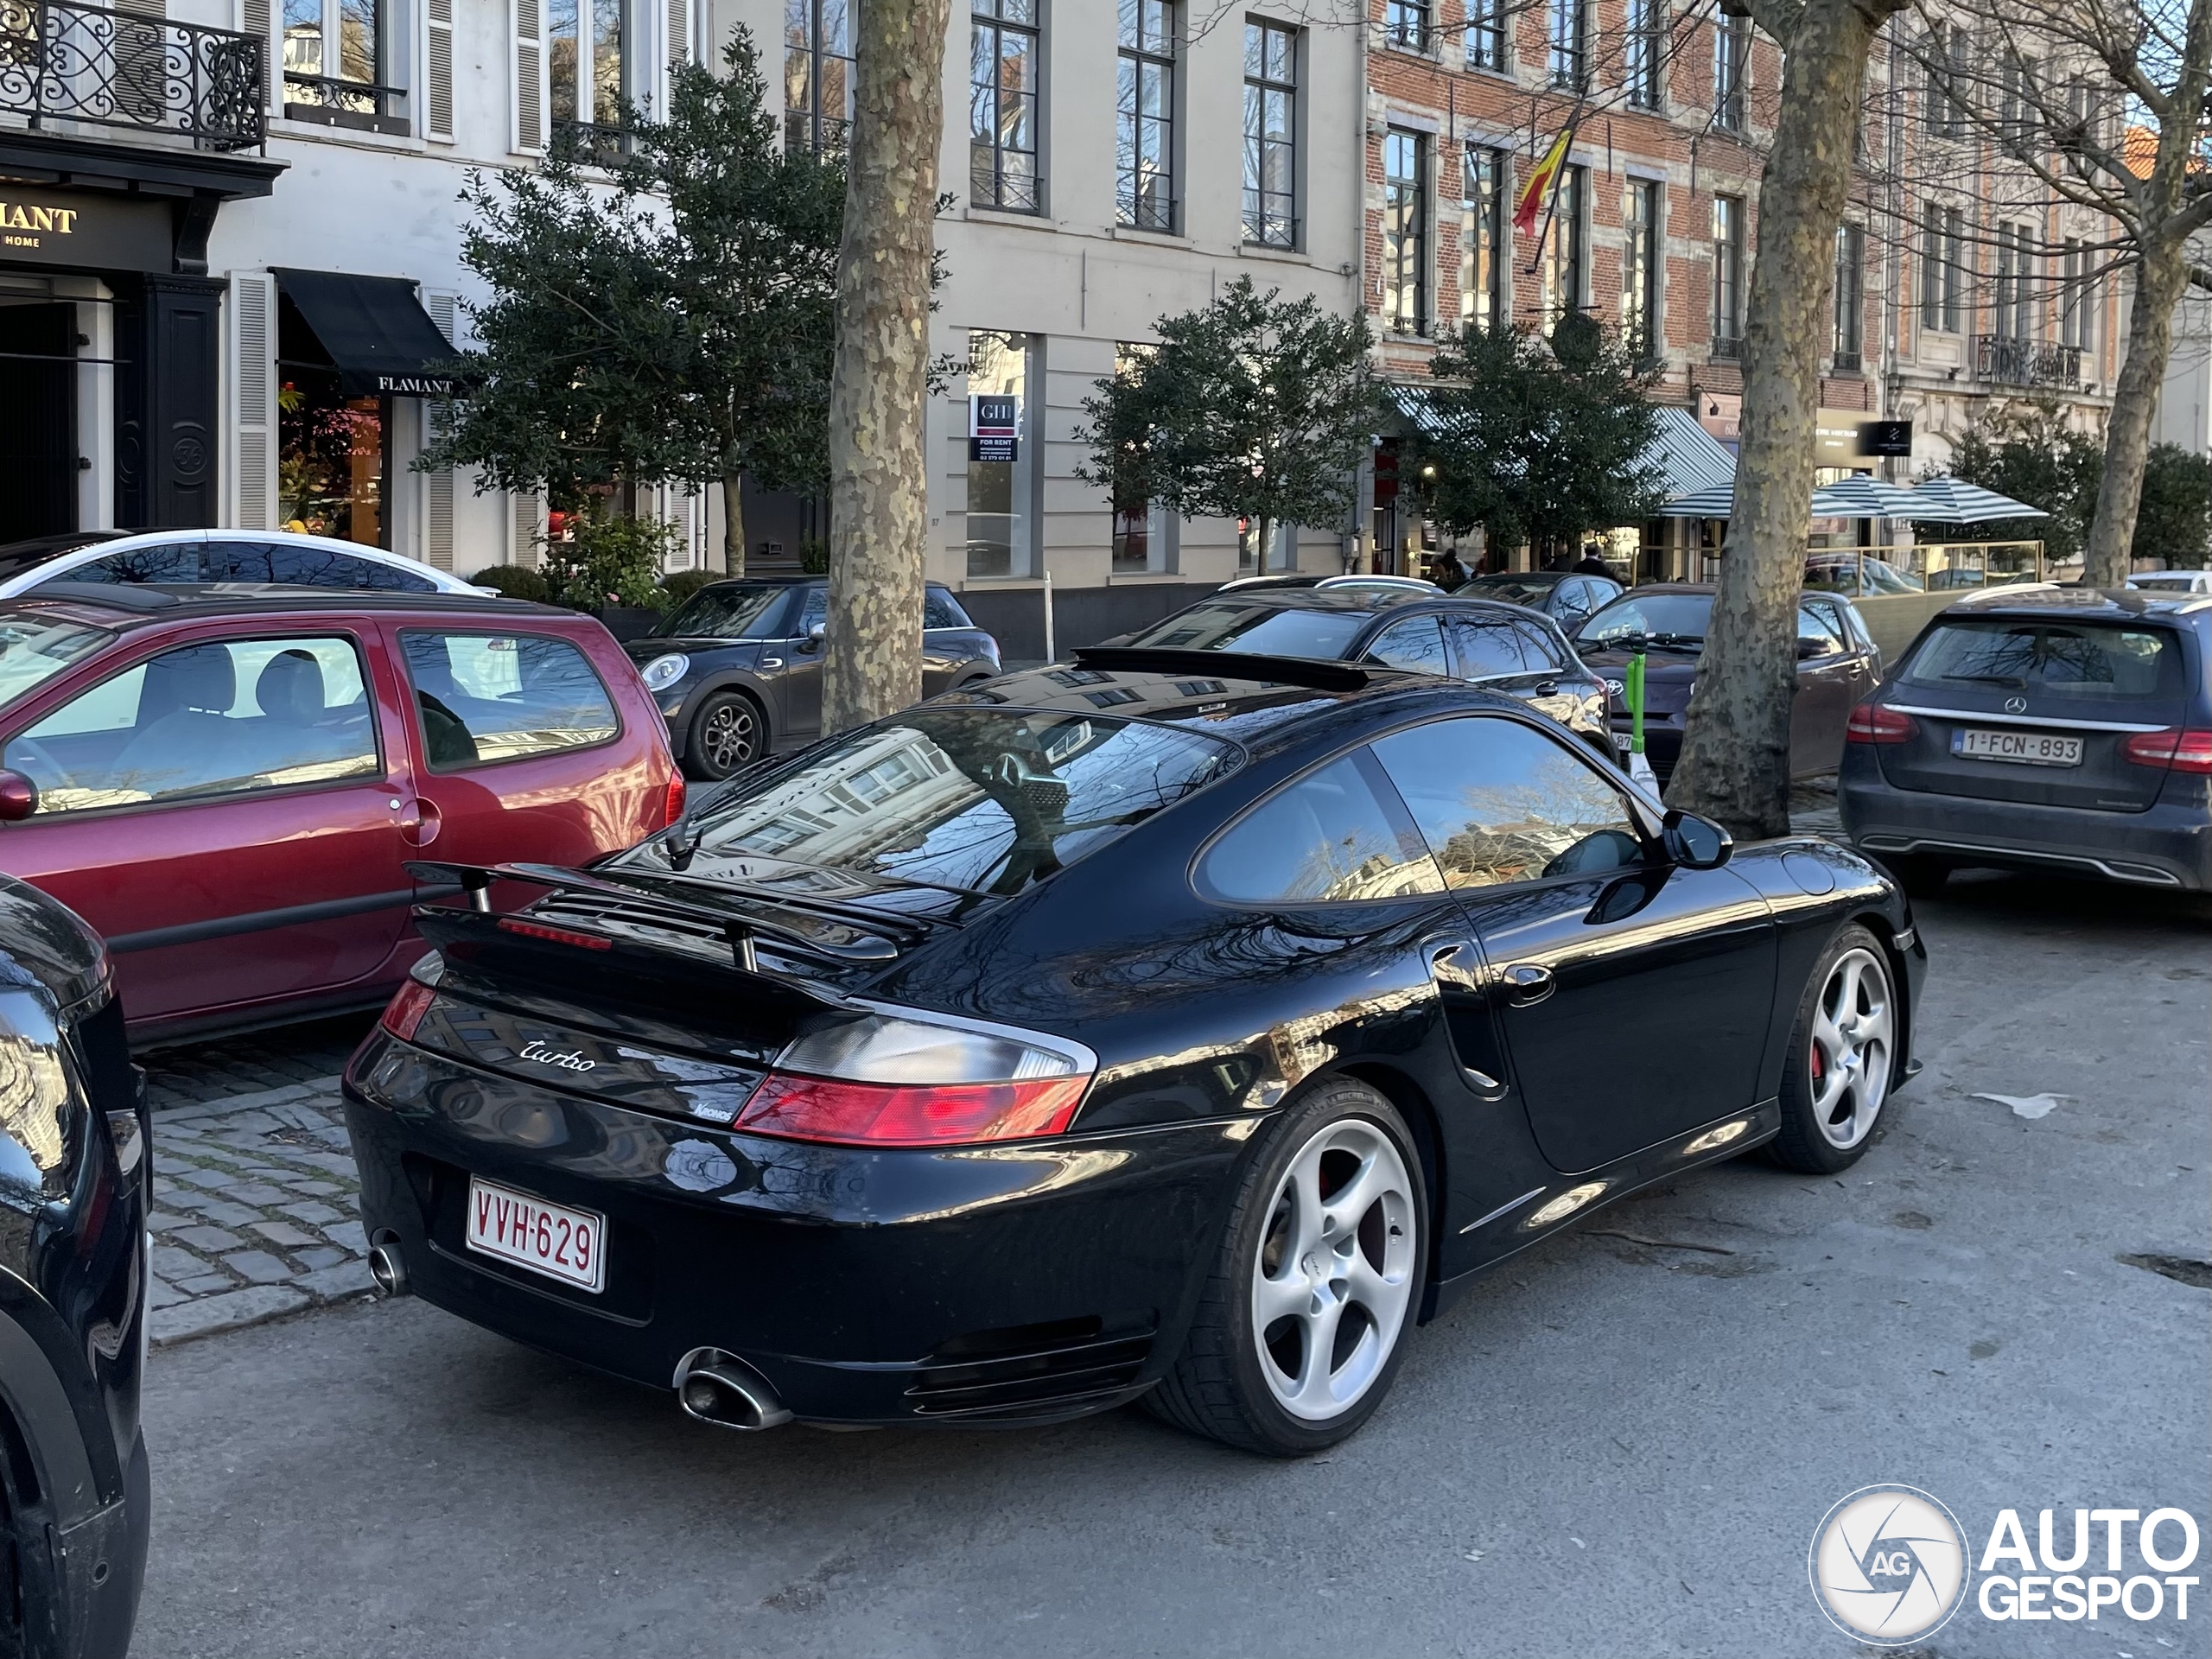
<point x="1302" y="1321"/>
<point x="727" y="734"/>
<point x="1842" y="1058"/>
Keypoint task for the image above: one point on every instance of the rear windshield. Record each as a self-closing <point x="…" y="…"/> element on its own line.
<point x="986" y="800"/>
<point x="1664" y="619"/>
<point x="1515" y="590"/>
<point x="2066" y="659"/>
<point x="1322" y="636"/>
<point x="733" y="610"/>
<point x="33" y="649"/>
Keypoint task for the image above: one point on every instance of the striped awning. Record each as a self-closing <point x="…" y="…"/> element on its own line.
<point x="1860" y="497"/>
<point x="1698" y="465"/>
<point x="1948" y="500"/>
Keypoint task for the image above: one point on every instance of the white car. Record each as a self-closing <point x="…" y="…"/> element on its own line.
<point x="203" y="556"/>
<point x="2174" y="581"/>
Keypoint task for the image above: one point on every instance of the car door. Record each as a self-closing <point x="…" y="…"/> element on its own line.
<point x="946" y="629"/>
<point x="1413" y="643"/>
<point x="1848" y="621"/>
<point x="222" y="810"/>
<point x="514" y="740"/>
<point x="798" y="682"/>
<point x="1499" y="652"/>
<point x="1831" y="676"/>
<point x="1634" y="994"/>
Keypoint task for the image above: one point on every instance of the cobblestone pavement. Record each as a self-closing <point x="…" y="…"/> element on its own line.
<point x="256" y="1208"/>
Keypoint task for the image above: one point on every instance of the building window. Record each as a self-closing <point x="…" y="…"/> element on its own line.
<point x="2076" y="306"/>
<point x="345" y="85"/>
<point x="1487" y="34"/>
<point x="1941" y="237"/>
<point x="1405" y="25"/>
<point x="1945" y="98"/>
<point x="1485" y="254"/>
<point x="587" y="39"/>
<point x="1731" y="57"/>
<point x="2016" y="283"/>
<point x="1570" y="42"/>
<point x="1645" y="65"/>
<point x="1282" y="546"/>
<point x="1567" y="261"/>
<point x="1727" y="276"/>
<point x="1270" y="135"/>
<point x="1850" y="294"/>
<point x="1001" y="493"/>
<point x="817" y="74"/>
<point x="1145" y="131"/>
<point x="1144" y="531"/>
<point x="1003" y="106"/>
<point x="1405" y="231"/>
<point x="1640" y="309"/>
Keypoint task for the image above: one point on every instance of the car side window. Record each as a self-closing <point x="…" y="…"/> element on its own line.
<point x="207" y="719"/>
<point x="1850" y="625"/>
<point x="1488" y="646"/>
<point x="1538" y="650"/>
<point x="1500" y="802"/>
<point x="1818" y="631"/>
<point x="815" y="613"/>
<point x="1416" y="643"/>
<point x="941" y="610"/>
<point x="1336" y="835"/>
<point x="168" y="562"/>
<point x="302" y="566"/>
<point x="485" y="697"/>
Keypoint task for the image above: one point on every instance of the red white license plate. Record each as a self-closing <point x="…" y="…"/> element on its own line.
<point x="565" y="1244"/>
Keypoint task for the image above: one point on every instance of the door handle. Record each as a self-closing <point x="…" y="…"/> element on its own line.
<point x="1547" y="688"/>
<point x="1527" y="983"/>
<point x="767" y="663"/>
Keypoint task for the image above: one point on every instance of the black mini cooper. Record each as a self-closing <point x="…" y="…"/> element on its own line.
<point x="1170" y="1025"/>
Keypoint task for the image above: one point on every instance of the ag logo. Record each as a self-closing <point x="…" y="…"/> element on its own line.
<point x="1888" y="1565"/>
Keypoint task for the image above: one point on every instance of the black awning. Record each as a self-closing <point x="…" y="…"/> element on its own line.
<point x="377" y="333"/>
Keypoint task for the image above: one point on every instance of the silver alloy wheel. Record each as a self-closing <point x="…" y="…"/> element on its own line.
<point x="1335" y="1270"/>
<point x="1849" y="1056"/>
<point x="730" y="736"/>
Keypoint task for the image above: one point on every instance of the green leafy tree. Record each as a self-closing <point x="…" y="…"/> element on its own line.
<point x="1536" y="442"/>
<point x="1253" y="407"/>
<point x="2174" y="521"/>
<point x="677" y="325"/>
<point x="2027" y="451"/>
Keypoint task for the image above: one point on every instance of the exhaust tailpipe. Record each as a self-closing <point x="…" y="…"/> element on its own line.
<point x="386" y="1266"/>
<point x="721" y="1388"/>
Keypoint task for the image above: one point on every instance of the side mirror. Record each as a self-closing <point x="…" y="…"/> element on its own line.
<point x="815" y="636"/>
<point x="18" y="798"/>
<point x="1696" y="843"/>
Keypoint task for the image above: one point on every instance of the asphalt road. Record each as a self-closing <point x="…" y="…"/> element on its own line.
<point x="1609" y="1448"/>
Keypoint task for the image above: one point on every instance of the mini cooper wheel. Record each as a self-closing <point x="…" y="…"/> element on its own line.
<point x="1302" y="1322"/>
<point x="1842" y="1057"/>
<point x="726" y="736"/>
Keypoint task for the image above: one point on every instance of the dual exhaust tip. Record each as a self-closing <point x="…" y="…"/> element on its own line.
<point x="721" y="1388"/>
<point x="711" y="1385"/>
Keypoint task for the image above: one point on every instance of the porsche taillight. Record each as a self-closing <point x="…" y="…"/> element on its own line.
<point x="405" y="1011"/>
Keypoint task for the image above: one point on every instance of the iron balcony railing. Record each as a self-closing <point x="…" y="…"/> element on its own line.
<point x="61" y="63"/>
<point x="2015" y="362"/>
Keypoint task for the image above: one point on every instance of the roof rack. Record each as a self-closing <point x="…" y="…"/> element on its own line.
<point x="1225" y="665"/>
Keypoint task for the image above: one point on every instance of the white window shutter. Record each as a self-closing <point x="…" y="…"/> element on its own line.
<point x="256" y="18"/>
<point x="526" y="537"/>
<point x="437" y="415"/>
<point x="679" y="46"/>
<point x="527" y="76"/>
<point x="437" y="53"/>
<point x="253" y="340"/>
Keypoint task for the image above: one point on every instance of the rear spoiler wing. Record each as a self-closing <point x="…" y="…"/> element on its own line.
<point x="477" y="933"/>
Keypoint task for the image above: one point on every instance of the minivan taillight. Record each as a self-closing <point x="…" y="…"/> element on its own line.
<point x="2170" y="751"/>
<point x="886" y="1080"/>
<point x="1871" y="723"/>
<point x="405" y="1010"/>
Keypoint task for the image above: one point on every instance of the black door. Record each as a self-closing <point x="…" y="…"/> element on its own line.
<point x="38" y="420"/>
<point x="1633" y="994"/>
<point x="1831" y="675"/>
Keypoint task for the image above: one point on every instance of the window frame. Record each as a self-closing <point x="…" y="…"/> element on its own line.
<point x="1566" y="44"/>
<point x="587" y="129"/>
<point x="58" y="698"/>
<point x="1482" y="227"/>
<point x="1402" y="191"/>
<point x="825" y="135"/>
<point x="412" y="713"/>
<point x="1847" y="344"/>
<point x="1568" y="247"/>
<point x="1643" y="65"/>
<point x="1643" y="262"/>
<point x="1260" y="222"/>
<point x="1131" y="124"/>
<point x="1489" y="42"/>
<point x="1732" y="73"/>
<point x="1409" y="26"/>
<point x="987" y="17"/>
<point x="1728" y="276"/>
<point x="333" y="97"/>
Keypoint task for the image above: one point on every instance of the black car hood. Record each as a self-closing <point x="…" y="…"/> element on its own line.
<point x="45" y="946"/>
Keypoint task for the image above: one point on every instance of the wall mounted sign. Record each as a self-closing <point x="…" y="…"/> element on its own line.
<point x="993" y="427"/>
<point x="89" y="231"/>
<point x="1885" y="437"/>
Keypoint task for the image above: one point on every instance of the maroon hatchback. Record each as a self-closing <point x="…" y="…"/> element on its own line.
<point x="226" y="783"/>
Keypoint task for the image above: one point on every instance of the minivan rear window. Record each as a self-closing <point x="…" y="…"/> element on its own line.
<point x="985" y="800"/>
<point x="2063" y="659"/>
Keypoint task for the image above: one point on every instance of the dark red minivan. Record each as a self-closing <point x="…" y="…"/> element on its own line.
<point x="227" y="784"/>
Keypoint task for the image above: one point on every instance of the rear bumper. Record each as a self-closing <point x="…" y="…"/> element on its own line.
<point x="2170" y="845"/>
<point x="1025" y="1283"/>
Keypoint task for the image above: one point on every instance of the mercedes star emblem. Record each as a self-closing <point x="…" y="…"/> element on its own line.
<point x="2016" y="705"/>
